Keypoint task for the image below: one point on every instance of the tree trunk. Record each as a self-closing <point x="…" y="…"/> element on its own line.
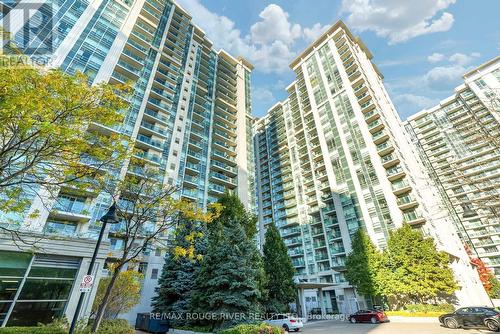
<point x="104" y="303"/>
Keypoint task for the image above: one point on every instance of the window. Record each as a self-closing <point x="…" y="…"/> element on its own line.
<point x="154" y="274"/>
<point x="60" y="228"/>
<point x="116" y="244"/>
<point x="69" y="203"/>
<point x="158" y="251"/>
<point x="464" y="310"/>
<point x="44" y="293"/>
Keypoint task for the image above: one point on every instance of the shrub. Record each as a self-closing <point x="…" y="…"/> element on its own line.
<point x="413" y="314"/>
<point x="32" y="330"/>
<point x="445" y="308"/>
<point x="111" y="326"/>
<point x="253" y="329"/>
<point x="115" y="326"/>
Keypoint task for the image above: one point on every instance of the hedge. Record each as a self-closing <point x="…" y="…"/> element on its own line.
<point x="32" y="330"/>
<point x="253" y="329"/>
<point x="116" y="326"/>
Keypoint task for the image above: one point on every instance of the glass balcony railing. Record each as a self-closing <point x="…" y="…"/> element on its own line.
<point x="405" y="200"/>
<point x="71" y="204"/>
<point x="154" y="128"/>
<point x="60" y="228"/>
<point x="150" y="141"/>
<point x="155" y="115"/>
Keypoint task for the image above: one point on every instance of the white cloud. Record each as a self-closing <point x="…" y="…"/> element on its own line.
<point x="270" y="44"/>
<point x="435" y="57"/>
<point x="463" y="59"/>
<point x="418" y="101"/>
<point x="444" y="77"/>
<point x="310" y="34"/>
<point x="399" y="20"/>
<point x="262" y="95"/>
<point x="274" y="26"/>
<point x="448" y="75"/>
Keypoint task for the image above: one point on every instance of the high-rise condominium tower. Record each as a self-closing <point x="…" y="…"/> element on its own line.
<point x="334" y="157"/>
<point x="190" y="116"/>
<point x="459" y="142"/>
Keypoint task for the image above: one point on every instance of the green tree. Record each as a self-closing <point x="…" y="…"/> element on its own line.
<point x="49" y="134"/>
<point x="364" y="266"/>
<point x="416" y="272"/>
<point x="279" y="270"/>
<point x="494" y="292"/>
<point x="124" y="295"/>
<point x="177" y="280"/>
<point x="230" y="279"/>
<point x="147" y="211"/>
<point x="234" y="212"/>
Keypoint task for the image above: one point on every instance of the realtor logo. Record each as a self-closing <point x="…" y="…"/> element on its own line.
<point x="27" y="28"/>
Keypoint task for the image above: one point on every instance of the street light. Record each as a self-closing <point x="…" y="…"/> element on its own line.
<point x="109" y="218"/>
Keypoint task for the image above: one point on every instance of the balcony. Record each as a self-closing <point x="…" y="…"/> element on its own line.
<point x="220" y="166"/>
<point x="70" y="208"/>
<point x="406" y="202"/>
<point x="395" y="173"/>
<point x="223" y="157"/>
<point x="367" y="106"/>
<point x="149" y="142"/>
<point x="144" y="172"/>
<point x="223" y="179"/>
<point x="400" y="187"/>
<point x="413" y="218"/>
<point x="153" y="129"/>
<point x="322" y="257"/>
<point x="191" y="181"/>
<point x="390" y="160"/>
<point x="217" y="189"/>
<point x="298" y="263"/>
<point x="337" y="250"/>
<point x="190" y="194"/>
<point x="372" y="115"/>
<point x="296" y="252"/>
<point x="316" y="231"/>
<point x="148" y="113"/>
<point x="385" y="148"/>
<point x="375" y="126"/>
<point x="290" y="231"/>
<point x="192" y="168"/>
<point x="319" y="244"/>
<point x="379" y="137"/>
<point x="149" y="157"/>
<point x="194" y="156"/>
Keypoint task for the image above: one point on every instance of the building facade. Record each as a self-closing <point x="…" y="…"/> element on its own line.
<point x="458" y="140"/>
<point x="189" y="117"/>
<point x="334" y="157"/>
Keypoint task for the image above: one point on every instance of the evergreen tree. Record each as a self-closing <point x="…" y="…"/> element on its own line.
<point x="364" y="266"/>
<point x="234" y="212"/>
<point x="417" y="271"/>
<point x="177" y="281"/>
<point x="231" y="273"/>
<point x="279" y="273"/>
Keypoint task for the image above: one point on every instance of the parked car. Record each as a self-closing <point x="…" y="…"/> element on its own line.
<point x="373" y="316"/>
<point x="488" y="317"/>
<point x="286" y="321"/>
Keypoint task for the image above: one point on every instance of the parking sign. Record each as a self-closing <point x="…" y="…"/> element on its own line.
<point x="86" y="283"/>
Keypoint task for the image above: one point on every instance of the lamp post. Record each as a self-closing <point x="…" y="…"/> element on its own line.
<point x="109" y="218"/>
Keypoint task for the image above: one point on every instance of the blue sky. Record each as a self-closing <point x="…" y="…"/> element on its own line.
<point x="422" y="47"/>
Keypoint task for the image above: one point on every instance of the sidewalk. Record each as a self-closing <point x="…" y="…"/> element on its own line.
<point x="397" y="318"/>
